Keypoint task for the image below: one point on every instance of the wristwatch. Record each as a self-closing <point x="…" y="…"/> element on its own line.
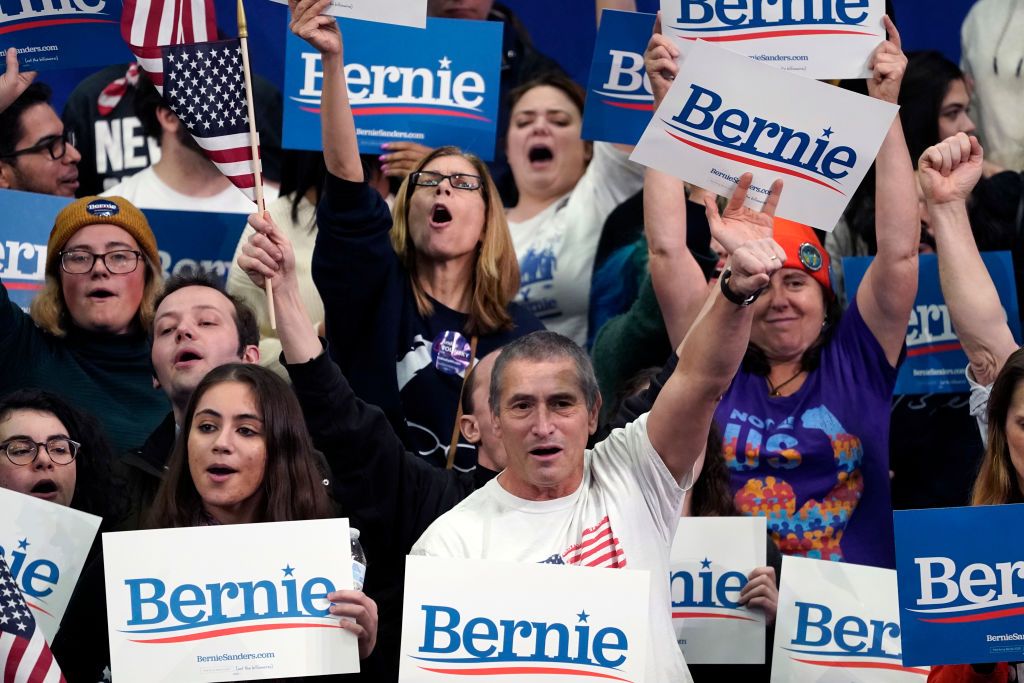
<point x="732" y="296"/>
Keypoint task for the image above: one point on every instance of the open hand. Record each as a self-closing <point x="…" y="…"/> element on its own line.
<point x="888" y="64"/>
<point x="317" y="29"/>
<point x="739" y="224"/>
<point x="949" y="170"/>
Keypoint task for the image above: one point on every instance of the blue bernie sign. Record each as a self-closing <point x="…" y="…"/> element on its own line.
<point x="60" y="34"/>
<point x="619" y="99"/>
<point x="435" y="86"/>
<point x="935" y="360"/>
<point x="960" y="573"/>
<point x="187" y="240"/>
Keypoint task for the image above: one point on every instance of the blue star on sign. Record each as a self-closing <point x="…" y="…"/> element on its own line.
<point x="23" y="544"/>
<point x="288" y="569"/>
<point x="583" y="616"/>
<point x="827" y="132"/>
<point x="705" y="563"/>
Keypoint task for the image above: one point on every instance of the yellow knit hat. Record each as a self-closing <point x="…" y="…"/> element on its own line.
<point x="100" y="210"/>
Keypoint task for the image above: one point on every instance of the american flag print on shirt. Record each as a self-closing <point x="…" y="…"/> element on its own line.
<point x="24" y="654"/>
<point x="598" y="547"/>
<point x="204" y="84"/>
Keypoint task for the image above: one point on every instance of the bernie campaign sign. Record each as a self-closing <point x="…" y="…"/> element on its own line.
<point x="710" y="561"/>
<point x="45" y="545"/>
<point x="961" y="584"/>
<point x="815" y="38"/>
<point x="547" y="623"/>
<point x="619" y="97"/>
<point x="839" y="622"/>
<point x="188" y="241"/>
<point x="403" y="12"/>
<point x="438" y="86"/>
<point x="726" y="115"/>
<point x="61" y="34"/>
<point x="232" y="602"/>
<point x="935" y="361"/>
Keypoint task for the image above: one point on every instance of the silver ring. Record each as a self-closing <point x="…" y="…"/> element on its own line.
<point x="775" y="258"/>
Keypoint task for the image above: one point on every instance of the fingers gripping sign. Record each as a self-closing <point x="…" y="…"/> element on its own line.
<point x="317" y="29"/>
<point x="358" y="614"/>
<point x="660" y="61"/>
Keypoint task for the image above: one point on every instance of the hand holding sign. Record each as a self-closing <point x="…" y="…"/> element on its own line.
<point x="359" y="616"/>
<point x="13" y="82"/>
<point x="402" y="158"/>
<point x="762" y="591"/>
<point x="317" y="29"/>
<point x="660" y="62"/>
<point x="949" y="170"/>
<point x="888" y="64"/>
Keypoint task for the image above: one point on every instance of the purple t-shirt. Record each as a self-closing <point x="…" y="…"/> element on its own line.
<point x="816" y="464"/>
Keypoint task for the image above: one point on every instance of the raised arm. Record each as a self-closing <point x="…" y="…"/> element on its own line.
<point x="887" y="293"/>
<point x="338" y="128"/>
<point x="712" y="350"/>
<point x="678" y="280"/>
<point x="948" y="172"/>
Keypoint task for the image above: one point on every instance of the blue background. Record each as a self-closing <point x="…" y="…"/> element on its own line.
<point x="1000" y="268"/>
<point x="987" y="534"/>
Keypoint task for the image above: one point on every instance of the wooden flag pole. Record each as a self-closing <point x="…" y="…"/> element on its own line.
<point x="257" y="166"/>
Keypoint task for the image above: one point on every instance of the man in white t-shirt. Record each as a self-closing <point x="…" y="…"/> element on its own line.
<point x="183" y="179"/>
<point x="616" y="505"/>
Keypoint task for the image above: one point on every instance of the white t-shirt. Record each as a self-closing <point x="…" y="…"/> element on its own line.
<point x="146" y="191"/>
<point x="991" y="37"/>
<point x="626" y="488"/>
<point x="556" y="248"/>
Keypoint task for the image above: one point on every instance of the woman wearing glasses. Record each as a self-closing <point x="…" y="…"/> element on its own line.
<point x="51" y="451"/>
<point x="86" y="336"/>
<point x="410" y="302"/>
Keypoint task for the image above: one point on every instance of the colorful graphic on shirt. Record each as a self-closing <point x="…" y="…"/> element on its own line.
<point x="536" y="277"/>
<point x="814" y="527"/>
<point x="451" y="353"/>
<point x="598" y="547"/>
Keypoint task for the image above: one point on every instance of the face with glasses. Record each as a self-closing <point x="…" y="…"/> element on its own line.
<point x="45" y="159"/>
<point x="447" y="210"/>
<point x="103" y="276"/>
<point x="47" y="471"/>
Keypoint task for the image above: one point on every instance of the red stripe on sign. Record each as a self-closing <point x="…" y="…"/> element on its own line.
<point x="759" y="164"/>
<point x="863" y="665"/>
<point x="229" y="632"/>
<point x="43" y="23"/>
<point x="998" y="614"/>
<point x="518" y="670"/>
<point x="708" y="615"/>
<point x="778" y="34"/>
<point x="35" y="606"/>
<point x="29" y="286"/>
<point x="936" y="348"/>
<point x="311" y="110"/>
<point x="417" y="111"/>
<point x="638" y="106"/>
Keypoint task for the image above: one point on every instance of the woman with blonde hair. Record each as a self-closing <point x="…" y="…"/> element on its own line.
<point x="411" y="302"/>
<point x="86" y="337"/>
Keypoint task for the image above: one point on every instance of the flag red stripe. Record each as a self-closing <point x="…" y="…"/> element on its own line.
<point x="14" y="657"/>
<point x="605" y="558"/>
<point x="579" y="557"/>
<point x="152" y="23"/>
<point x="229" y="156"/>
<point x="42" y="662"/>
<point x="243" y="181"/>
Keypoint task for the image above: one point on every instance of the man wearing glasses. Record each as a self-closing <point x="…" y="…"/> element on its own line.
<point x="36" y="153"/>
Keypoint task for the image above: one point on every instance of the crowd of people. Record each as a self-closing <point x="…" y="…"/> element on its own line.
<point x="439" y="319"/>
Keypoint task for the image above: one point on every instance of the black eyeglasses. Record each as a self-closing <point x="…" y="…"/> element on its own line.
<point x="21" y="452"/>
<point x="118" y="262"/>
<point x="56" y="145"/>
<point x="459" y="181"/>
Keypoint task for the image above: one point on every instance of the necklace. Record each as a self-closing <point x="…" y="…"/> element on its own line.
<point x="774" y="390"/>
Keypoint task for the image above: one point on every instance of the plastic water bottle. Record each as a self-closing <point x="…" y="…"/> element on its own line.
<point x="358" y="560"/>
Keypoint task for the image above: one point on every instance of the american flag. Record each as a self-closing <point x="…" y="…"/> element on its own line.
<point x="24" y="654"/>
<point x="202" y="82"/>
<point x="598" y="547"/>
